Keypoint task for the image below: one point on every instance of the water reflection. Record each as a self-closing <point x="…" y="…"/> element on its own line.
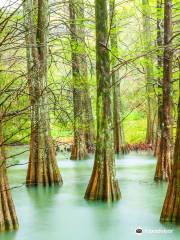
<point x="42" y="197"/>
<point x="102" y="216"/>
<point x="8" y="236"/>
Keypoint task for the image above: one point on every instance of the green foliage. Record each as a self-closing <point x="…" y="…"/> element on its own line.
<point x="130" y="63"/>
<point x="135" y="128"/>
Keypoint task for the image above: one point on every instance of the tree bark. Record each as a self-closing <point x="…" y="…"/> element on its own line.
<point x="88" y="113"/>
<point x="119" y="141"/>
<point x="89" y="123"/>
<point x="159" y="78"/>
<point x="148" y="66"/>
<point x="164" y="163"/>
<point x="171" y="208"/>
<point x="42" y="167"/>
<point x="8" y="218"/>
<point x="103" y="184"/>
<point x="79" y="148"/>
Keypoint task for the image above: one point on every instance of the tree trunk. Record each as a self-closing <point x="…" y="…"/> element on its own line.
<point x="164" y="163"/>
<point x="42" y="168"/>
<point x="79" y="148"/>
<point x="148" y="66"/>
<point x="159" y="78"/>
<point x="87" y="107"/>
<point x="171" y="207"/>
<point x="8" y="218"/>
<point x="103" y="184"/>
<point x="89" y="122"/>
<point x="83" y="118"/>
<point x="119" y="141"/>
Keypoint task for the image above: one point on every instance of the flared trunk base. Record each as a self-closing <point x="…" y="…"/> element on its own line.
<point x="78" y="152"/>
<point x="43" y="168"/>
<point x="102" y="186"/>
<point x="8" y="218"/>
<point x="171" y="207"/>
<point x="164" y="162"/>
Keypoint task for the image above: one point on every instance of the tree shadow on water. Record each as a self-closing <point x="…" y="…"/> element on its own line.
<point x="43" y="210"/>
<point x="43" y="197"/>
<point x="8" y="235"/>
<point x="103" y="215"/>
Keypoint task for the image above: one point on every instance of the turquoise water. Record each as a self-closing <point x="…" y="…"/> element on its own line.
<point x="62" y="213"/>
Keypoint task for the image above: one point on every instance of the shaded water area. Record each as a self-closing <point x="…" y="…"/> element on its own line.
<point x="62" y="213"/>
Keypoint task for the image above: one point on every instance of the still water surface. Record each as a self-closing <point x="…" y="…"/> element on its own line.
<point x="63" y="214"/>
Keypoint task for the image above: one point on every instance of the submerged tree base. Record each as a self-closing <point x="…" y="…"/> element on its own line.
<point x="164" y="162"/>
<point x="8" y="218"/>
<point x="43" y="168"/>
<point x="160" y="175"/>
<point x="124" y="150"/>
<point x="161" y="170"/>
<point x="171" y="208"/>
<point x="79" y="152"/>
<point x="102" y="185"/>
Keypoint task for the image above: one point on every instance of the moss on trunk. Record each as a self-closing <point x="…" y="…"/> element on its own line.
<point x="79" y="148"/>
<point x="164" y="163"/>
<point x="149" y="71"/>
<point x="42" y="168"/>
<point x="103" y="184"/>
<point x="159" y="42"/>
<point x="171" y="207"/>
<point x="119" y="139"/>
